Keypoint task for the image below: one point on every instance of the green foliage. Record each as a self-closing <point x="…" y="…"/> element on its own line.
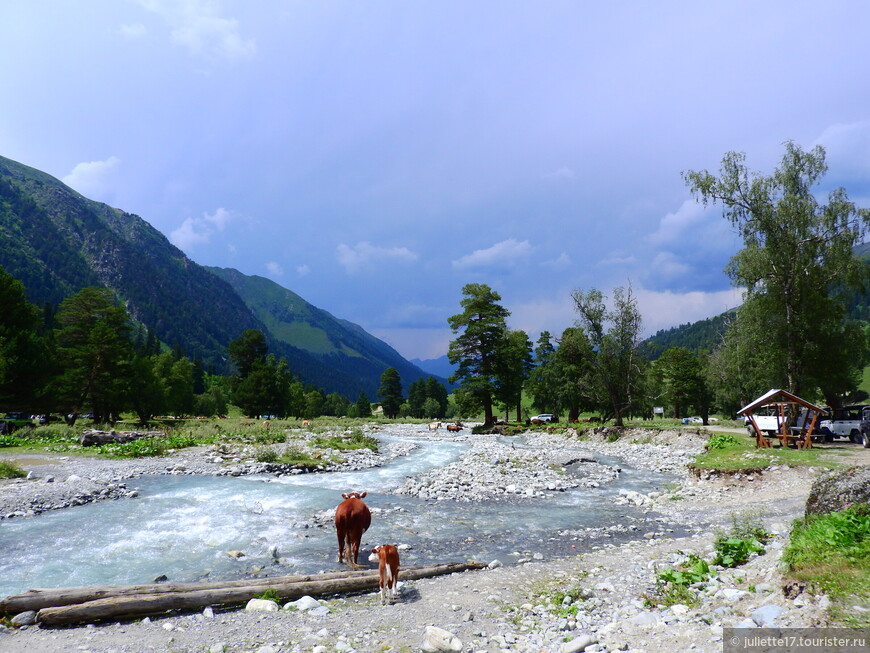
<point x="11" y="470"/>
<point x="722" y="441"/>
<point x="266" y="455"/>
<point x="832" y="553"/>
<point x="694" y="570"/>
<point x="355" y="439"/>
<point x="147" y="447"/>
<point x="269" y="595"/>
<point x="480" y="334"/>
<point x="390" y="392"/>
<point x="616" y="367"/>
<point x="735" y="551"/>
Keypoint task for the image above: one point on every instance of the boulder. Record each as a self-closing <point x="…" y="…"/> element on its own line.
<point x="261" y="605"/>
<point x="437" y="639"/>
<point x="839" y="489"/>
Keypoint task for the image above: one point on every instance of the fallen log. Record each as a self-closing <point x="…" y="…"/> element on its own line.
<point x="36" y="599"/>
<point x="141" y="605"/>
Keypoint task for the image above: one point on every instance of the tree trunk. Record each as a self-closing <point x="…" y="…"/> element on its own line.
<point x="150" y="600"/>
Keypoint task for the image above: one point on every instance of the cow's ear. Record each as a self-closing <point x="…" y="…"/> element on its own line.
<point x="363" y="495"/>
<point x="344" y="496"/>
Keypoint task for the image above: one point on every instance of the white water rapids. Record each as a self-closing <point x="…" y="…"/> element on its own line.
<point x="183" y="526"/>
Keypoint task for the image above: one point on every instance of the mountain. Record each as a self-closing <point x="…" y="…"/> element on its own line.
<point x="695" y="336"/>
<point x="339" y="344"/>
<point x="56" y="242"/>
<point x="435" y="366"/>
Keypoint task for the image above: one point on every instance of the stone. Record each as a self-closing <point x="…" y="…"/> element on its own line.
<point x="208" y="612"/>
<point x="267" y="648"/>
<point x="219" y="647"/>
<point x="578" y="644"/>
<point x="839" y="489"/>
<point x="303" y="604"/>
<point x="437" y="640"/>
<point x="645" y="618"/>
<point x="261" y="605"/>
<point x="766" y="615"/>
<point x="731" y="594"/>
<point x="24" y="618"/>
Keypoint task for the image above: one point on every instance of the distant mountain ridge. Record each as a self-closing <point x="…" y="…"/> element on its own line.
<point x="56" y="242"/>
<point x="338" y="343"/>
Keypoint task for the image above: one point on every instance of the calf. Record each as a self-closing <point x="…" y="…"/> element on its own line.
<point x="434" y="426"/>
<point x="352" y="519"/>
<point x="387" y="557"/>
<point x="454" y="428"/>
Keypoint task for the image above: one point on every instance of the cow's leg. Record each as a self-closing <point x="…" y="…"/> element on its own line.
<point x="341" y="538"/>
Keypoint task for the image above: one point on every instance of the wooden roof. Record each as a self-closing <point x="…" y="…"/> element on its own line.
<point x="777" y="396"/>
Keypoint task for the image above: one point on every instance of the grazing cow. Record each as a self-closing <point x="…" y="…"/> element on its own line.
<point x="352" y="519"/>
<point x="434" y="426"/>
<point x="387" y="557"/>
<point x="305" y="422"/>
<point x="454" y="428"/>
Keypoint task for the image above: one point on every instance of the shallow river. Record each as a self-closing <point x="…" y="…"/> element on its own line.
<point x="183" y="526"/>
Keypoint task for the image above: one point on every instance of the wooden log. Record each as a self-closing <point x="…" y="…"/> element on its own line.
<point x="36" y="599"/>
<point x="140" y="605"/>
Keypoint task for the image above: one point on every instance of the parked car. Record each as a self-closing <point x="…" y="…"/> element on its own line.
<point x="545" y="417"/>
<point x="15" y="420"/>
<point x="847" y="422"/>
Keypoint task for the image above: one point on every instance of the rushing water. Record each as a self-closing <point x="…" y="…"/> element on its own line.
<point x="183" y="526"/>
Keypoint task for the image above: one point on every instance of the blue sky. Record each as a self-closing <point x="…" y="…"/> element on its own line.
<point x="374" y="157"/>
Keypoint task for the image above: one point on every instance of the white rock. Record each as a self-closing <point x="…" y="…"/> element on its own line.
<point x="261" y="605"/>
<point x="220" y="647"/>
<point x="303" y="604"/>
<point x="436" y="640"/>
<point x="578" y="644"/>
<point x="731" y="594"/>
<point x="208" y="612"/>
<point x="73" y="478"/>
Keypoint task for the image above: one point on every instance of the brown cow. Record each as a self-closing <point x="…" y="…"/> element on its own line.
<point x="387" y="557"/>
<point x="352" y="519"/>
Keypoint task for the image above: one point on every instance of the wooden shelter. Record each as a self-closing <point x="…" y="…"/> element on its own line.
<point x="787" y="407"/>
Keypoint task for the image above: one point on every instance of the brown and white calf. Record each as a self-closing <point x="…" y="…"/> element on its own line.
<point x="387" y="557"/>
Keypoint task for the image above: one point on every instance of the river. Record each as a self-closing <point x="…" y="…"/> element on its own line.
<point x="182" y="527"/>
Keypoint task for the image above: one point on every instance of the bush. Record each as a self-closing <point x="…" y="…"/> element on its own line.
<point x="722" y="441"/>
<point x="11" y="470"/>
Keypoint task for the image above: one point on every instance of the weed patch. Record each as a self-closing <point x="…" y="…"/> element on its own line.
<point x="11" y="470"/>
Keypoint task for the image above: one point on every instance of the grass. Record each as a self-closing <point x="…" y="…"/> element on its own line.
<point x="832" y="553"/>
<point x="733" y="548"/>
<point x="11" y="470"/>
<point x="347" y="441"/>
<point x="739" y="453"/>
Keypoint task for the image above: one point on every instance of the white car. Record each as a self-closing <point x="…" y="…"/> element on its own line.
<point x="544" y="417"/>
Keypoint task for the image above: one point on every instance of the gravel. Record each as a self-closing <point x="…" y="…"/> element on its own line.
<point x="592" y="602"/>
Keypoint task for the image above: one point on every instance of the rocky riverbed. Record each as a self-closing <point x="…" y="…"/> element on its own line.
<point x="592" y="601"/>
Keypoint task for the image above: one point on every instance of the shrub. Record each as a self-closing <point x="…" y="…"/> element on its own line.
<point x="11" y="470"/>
<point x="721" y="441"/>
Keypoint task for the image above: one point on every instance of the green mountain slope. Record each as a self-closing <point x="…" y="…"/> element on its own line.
<point x="56" y="242"/>
<point x="338" y="343"/>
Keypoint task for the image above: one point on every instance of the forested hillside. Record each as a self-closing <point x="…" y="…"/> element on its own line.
<point x="56" y="242"/>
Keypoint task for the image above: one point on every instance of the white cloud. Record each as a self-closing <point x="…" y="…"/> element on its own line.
<point x="303" y="270"/>
<point x="133" y="31"/>
<point x="662" y="310"/>
<point x="667" y="266"/>
<point x="197" y="25"/>
<point x="673" y="226"/>
<point x="195" y="231"/>
<point x="364" y="254"/>
<point x="93" y="179"/>
<point x="274" y="268"/>
<point x="563" y="173"/>
<point x="503" y="254"/>
<point x="562" y="261"/>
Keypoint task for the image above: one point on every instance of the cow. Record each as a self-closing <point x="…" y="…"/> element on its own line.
<point x="387" y="557"/>
<point x="454" y="428"/>
<point x="352" y="519"/>
<point x="434" y="426"/>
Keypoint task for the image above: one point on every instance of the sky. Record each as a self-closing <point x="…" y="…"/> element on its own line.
<point x="374" y="157"/>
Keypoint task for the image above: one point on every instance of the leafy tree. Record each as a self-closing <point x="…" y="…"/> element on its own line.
<point x="24" y="362"/>
<point x="313" y="404"/>
<point x="436" y="390"/>
<point x="475" y="350"/>
<point x="680" y="373"/>
<point x="390" y="392"/>
<point x="247" y="350"/>
<point x="796" y="252"/>
<point x="514" y="363"/>
<point x="363" y="406"/>
<point x="614" y="336"/>
<point x="416" y="398"/>
<point x="335" y="405"/>
<point x="431" y="408"/>
<point x="575" y="388"/>
<point x="148" y="393"/>
<point x="94" y="352"/>
<point x="211" y="402"/>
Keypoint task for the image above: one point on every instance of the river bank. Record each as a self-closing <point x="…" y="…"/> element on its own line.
<point x="516" y="607"/>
